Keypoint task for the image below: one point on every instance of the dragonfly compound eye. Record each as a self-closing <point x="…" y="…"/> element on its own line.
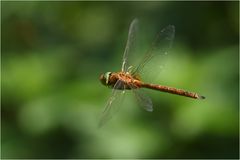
<point x="104" y="78"/>
<point x="107" y="76"/>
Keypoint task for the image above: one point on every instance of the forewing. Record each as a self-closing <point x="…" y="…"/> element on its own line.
<point x="130" y="43"/>
<point x="113" y="104"/>
<point x="160" y="46"/>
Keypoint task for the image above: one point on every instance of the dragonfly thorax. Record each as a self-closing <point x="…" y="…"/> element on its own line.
<point x="120" y="80"/>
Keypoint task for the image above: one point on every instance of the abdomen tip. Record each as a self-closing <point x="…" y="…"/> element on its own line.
<point x="201" y="97"/>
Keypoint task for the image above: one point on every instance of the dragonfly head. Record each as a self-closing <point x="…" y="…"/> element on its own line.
<point x="104" y="78"/>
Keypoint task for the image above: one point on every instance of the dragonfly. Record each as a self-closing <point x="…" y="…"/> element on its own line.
<point x="129" y="78"/>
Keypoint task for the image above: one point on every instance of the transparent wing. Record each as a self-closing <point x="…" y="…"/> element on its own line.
<point x="160" y="46"/>
<point x="113" y="104"/>
<point x="142" y="99"/>
<point x="130" y="43"/>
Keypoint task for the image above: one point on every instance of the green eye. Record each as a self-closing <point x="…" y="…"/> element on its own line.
<point x="107" y="75"/>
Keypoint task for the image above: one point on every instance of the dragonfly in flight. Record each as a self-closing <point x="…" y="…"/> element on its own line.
<point x="129" y="78"/>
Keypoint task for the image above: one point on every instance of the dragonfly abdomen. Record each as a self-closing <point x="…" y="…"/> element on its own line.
<point x="173" y="90"/>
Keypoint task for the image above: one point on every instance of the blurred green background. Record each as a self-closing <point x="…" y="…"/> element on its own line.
<point x="54" y="52"/>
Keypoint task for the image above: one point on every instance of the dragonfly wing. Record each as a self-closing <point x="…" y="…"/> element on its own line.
<point x="113" y="104"/>
<point x="160" y="46"/>
<point x="130" y="43"/>
<point x="143" y="100"/>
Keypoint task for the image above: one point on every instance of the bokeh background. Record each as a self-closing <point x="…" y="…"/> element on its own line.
<point x="54" y="52"/>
